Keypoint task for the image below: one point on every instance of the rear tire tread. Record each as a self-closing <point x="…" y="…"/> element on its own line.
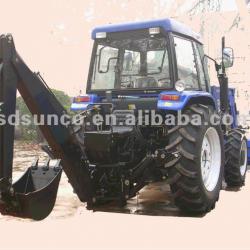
<point x="183" y="181"/>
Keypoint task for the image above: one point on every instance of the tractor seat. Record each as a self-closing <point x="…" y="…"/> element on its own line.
<point x="146" y="82"/>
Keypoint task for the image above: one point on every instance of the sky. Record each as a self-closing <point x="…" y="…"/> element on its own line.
<point x="228" y="5"/>
<point x="53" y="36"/>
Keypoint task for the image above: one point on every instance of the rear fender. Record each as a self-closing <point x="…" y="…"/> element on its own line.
<point x="186" y="98"/>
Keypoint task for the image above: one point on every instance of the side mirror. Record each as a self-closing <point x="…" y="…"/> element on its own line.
<point x="228" y="57"/>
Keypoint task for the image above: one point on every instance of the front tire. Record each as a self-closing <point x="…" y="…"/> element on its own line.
<point x="196" y="177"/>
<point x="236" y="159"/>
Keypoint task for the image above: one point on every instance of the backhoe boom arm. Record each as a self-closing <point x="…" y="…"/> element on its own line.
<point x="14" y="74"/>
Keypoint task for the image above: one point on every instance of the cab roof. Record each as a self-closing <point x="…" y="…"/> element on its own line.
<point x="168" y="24"/>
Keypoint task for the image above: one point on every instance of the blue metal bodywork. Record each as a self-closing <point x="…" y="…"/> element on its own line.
<point x="231" y="98"/>
<point x="185" y="97"/>
<point x="248" y="151"/>
<point x="168" y="24"/>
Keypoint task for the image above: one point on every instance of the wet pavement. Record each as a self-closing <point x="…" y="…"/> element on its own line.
<point x="155" y="199"/>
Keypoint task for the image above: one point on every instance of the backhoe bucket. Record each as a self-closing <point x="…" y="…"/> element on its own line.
<point x="34" y="194"/>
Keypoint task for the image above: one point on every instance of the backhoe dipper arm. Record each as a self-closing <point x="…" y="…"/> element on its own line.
<point x="40" y="101"/>
<point x="8" y="85"/>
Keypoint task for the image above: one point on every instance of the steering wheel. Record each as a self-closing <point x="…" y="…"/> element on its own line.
<point x="127" y="84"/>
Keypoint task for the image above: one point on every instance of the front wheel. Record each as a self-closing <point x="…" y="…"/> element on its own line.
<point x="196" y="177"/>
<point x="236" y="158"/>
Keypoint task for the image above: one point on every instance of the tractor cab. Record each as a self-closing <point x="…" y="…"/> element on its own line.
<point x="144" y="61"/>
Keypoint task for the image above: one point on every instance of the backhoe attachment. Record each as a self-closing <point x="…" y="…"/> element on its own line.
<point x="34" y="194"/>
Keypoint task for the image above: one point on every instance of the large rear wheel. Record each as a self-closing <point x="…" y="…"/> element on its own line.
<point x="196" y="177"/>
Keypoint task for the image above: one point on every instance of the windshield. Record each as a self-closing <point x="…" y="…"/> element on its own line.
<point x="131" y="62"/>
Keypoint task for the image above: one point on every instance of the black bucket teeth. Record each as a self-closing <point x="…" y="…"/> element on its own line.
<point x="34" y="194"/>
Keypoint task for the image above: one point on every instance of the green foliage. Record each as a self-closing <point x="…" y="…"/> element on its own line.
<point x="63" y="98"/>
<point x="31" y="132"/>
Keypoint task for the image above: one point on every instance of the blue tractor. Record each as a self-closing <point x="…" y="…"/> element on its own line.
<point x="160" y="66"/>
<point x="149" y="115"/>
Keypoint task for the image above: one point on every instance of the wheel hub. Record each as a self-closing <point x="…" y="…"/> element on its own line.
<point x="210" y="159"/>
<point x="243" y="158"/>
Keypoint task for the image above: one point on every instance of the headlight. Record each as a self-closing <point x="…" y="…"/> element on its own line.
<point x="180" y="85"/>
<point x="154" y="31"/>
<point x="101" y="35"/>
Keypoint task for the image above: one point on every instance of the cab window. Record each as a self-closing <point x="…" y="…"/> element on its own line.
<point x="131" y="62"/>
<point x="186" y="64"/>
<point x="200" y="68"/>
